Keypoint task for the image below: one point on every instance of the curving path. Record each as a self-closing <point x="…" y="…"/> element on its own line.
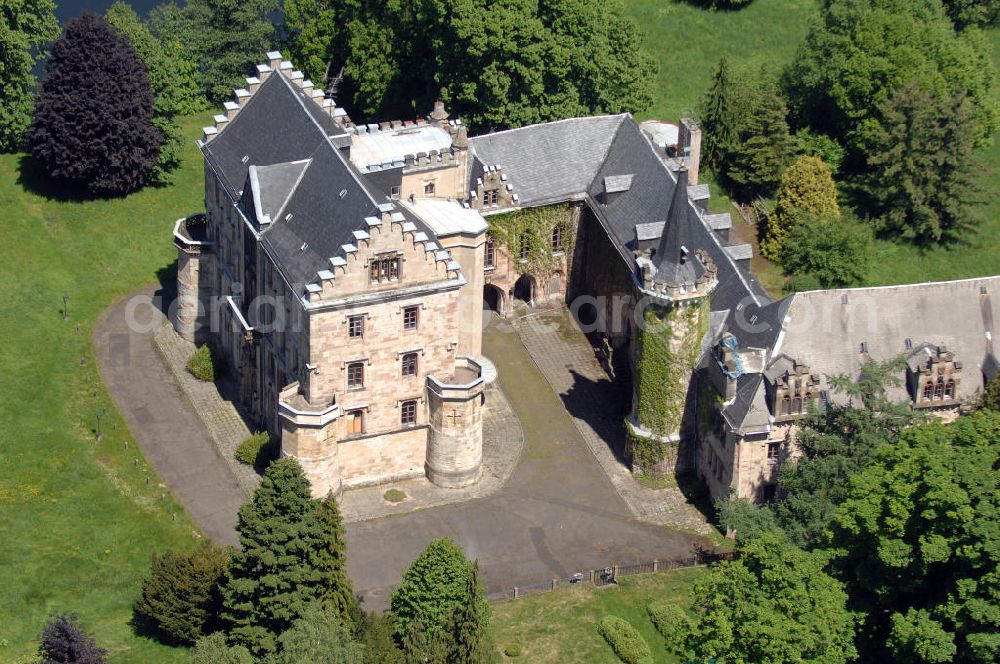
<point x="557" y="514"/>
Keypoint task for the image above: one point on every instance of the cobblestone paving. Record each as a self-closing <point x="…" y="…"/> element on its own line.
<point x="503" y="441"/>
<point x="566" y="358"/>
<point x="220" y="416"/>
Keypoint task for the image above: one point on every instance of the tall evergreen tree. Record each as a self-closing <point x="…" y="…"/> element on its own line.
<point x="469" y="641"/>
<point x="765" y="147"/>
<point x="922" y="169"/>
<point x="338" y="593"/>
<point x="64" y="642"/>
<point x="26" y="28"/>
<point x="274" y="577"/>
<point x="721" y="117"/>
<point x="377" y="638"/>
<point x="93" y="120"/>
<point x="317" y="637"/>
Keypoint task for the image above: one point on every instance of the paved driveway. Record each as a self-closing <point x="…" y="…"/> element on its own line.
<point x="557" y="515"/>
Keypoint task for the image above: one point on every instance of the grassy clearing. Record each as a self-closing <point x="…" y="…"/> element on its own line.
<point x="688" y="42"/>
<point x="78" y="518"/>
<point x="567" y="630"/>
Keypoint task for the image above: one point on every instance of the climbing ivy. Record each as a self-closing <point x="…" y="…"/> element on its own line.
<point x="669" y="342"/>
<point x="531" y="229"/>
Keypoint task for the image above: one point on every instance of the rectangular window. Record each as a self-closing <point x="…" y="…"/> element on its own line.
<point x="408" y="413"/>
<point x="773" y="452"/>
<point x="384" y="269"/>
<point x="410" y="364"/>
<point x="525" y="249"/>
<point x="355" y="422"/>
<point x="374" y="267"/>
<point x="355" y="375"/>
<point x="410" y="315"/>
<point x="394" y="191"/>
<point x="356" y="327"/>
<point x="557" y="238"/>
<point x="490" y="197"/>
<point x="489" y="255"/>
<point x="429" y="189"/>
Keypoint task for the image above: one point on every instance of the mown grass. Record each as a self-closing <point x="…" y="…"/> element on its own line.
<point x="561" y="626"/>
<point x="78" y="518"/>
<point x="688" y="42"/>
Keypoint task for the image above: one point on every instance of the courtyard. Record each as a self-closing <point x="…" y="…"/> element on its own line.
<point x="568" y="506"/>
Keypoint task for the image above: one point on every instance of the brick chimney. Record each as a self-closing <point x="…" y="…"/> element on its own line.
<point x="689" y="147"/>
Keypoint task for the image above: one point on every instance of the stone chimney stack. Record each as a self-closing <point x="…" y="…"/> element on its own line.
<point x="439" y="114"/>
<point x="689" y="147"/>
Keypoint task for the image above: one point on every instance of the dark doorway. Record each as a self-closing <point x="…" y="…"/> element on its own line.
<point x="522" y="289"/>
<point x="492" y="299"/>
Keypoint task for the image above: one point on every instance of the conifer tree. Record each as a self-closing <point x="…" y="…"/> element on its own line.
<point x="422" y="647"/>
<point x="93" y="120"/>
<point x="179" y="597"/>
<point x="807" y="186"/>
<point x="720" y="117"/>
<point x="921" y="178"/>
<point x="338" y="594"/>
<point x="26" y="28"/>
<point x="377" y="638"/>
<point x="274" y="577"/>
<point x="469" y="636"/>
<point x="765" y="147"/>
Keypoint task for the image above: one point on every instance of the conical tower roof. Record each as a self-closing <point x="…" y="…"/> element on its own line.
<point x="674" y="258"/>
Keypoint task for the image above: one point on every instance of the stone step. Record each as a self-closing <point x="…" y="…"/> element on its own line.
<point x="489" y="370"/>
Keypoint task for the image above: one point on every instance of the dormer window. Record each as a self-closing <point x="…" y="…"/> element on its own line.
<point x="490" y="197"/>
<point x="429" y="189"/>
<point x="928" y="391"/>
<point x="949" y="390"/>
<point x="939" y="389"/>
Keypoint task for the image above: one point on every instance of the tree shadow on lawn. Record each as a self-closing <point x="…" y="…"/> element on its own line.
<point x="33" y="179"/>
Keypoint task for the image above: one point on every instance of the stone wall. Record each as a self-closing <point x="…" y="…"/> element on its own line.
<point x="381" y="458"/>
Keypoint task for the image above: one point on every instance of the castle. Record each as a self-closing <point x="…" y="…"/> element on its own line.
<point x="342" y="270"/>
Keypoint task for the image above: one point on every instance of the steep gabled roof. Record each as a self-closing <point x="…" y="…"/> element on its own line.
<point x="277" y="124"/>
<point x="550" y="162"/>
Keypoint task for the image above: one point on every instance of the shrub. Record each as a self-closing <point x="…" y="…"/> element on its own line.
<point x="64" y="642"/>
<point x="180" y="595"/>
<point x="214" y="650"/>
<point x="671" y="621"/>
<point x="625" y="640"/>
<point x="394" y="495"/>
<point x="256" y="450"/>
<point x="513" y="650"/>
<point x="201" y="364"/>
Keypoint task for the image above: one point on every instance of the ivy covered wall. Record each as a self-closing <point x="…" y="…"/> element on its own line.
<point x="668" y="345"/>
<point x="531" y="230"/>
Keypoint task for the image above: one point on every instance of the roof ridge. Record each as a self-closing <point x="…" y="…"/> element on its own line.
<point x="553" y="122"/>
<point x="856" y="289"/>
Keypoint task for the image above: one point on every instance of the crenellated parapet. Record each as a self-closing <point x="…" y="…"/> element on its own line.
<point x="276" y="63"/>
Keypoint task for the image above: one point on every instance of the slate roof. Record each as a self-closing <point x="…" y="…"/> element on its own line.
<point x="274" y="184"/>
<point x="748" y="411"/>
<point x="549" y="162"/>
<point x="675" y="259"/>
<point x="327" y="201"/>
<point x="648" y="200"/>
<point x="255" y="137"/>
<point x="826" y="333"/>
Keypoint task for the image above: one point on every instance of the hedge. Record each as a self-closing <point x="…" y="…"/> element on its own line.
<point x="669" y="620"/>
<point x="255" y="450"/>
<point x="625" y="640"/>
<point x="201" y="364"/>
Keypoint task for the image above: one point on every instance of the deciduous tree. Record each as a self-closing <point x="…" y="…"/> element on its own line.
<point x="93" y="121"/>
<point x="915" y="540"/>
<point x="773" y="604"/>
<point x="26" y="28"/>
<point x="377" y="638"/>
<point x="214" y="649"/>
<point x="432" y="589"/>
<point x="973" y="12"/>
<point x="318" y="637"/>
<point x="834" y="251"/>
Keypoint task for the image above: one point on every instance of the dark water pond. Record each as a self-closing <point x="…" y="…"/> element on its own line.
<point x="67" y="9"/>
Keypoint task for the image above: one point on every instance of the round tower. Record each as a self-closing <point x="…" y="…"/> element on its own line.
<point x="308" y="435"/>
<point x="455" y="441"/>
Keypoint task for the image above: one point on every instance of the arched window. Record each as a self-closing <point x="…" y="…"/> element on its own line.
<point x="949" y="390"/>
<point x="786" y="405"/>
<point x="797" y="405"/>
<point x="939" y="390"/>
<point x="928" y="391"/>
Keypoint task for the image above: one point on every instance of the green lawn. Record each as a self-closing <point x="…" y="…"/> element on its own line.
<point x="561" y="626"/>
<point x="77" y="518"/>
<point x="688" y="42"/>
